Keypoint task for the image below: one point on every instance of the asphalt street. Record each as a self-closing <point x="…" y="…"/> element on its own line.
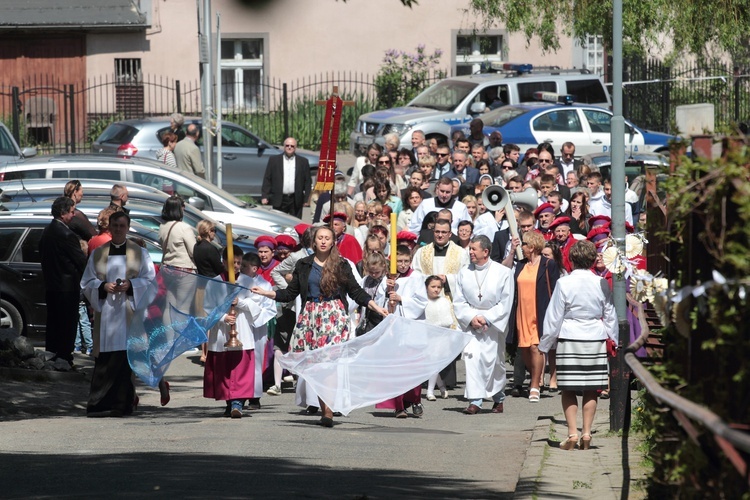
<point x="48" y="448"/>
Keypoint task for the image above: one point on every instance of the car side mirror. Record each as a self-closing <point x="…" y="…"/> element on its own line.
<point x="261" y="148"/>
<point x="478" y="108"/>
<point x="196" y="202"/>
<point x="28" y="152"/>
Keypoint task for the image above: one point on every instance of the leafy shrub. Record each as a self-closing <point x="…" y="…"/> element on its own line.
<point x="402" y="76"/>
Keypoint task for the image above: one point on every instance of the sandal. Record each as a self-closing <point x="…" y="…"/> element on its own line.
<point x="534" y="395"/>
<point x="604" y="394"/>
<point x="585" y="443"/>
<point x="570" y="443"/>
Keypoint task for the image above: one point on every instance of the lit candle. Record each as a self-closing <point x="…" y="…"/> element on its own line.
<point x="393" y="243"/>
<point x="230" y="254"/>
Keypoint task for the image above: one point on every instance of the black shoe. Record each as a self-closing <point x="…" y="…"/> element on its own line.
<point x="228" y="410"/>
<point x="326" y="422"/>
<point x="337" y="414"/>
<point x="312" y="410"/>
<point x="516" y="392"/>
<point x="417" y="410"/>
<point x="253" y="404"/>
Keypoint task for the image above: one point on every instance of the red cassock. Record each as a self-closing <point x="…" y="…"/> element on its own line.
<point x="349" y="247"/>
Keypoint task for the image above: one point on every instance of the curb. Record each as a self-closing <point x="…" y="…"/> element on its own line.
<point x="24" y="374"/>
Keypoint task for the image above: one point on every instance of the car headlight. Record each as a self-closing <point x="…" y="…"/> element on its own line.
<point x="396" y="128"/>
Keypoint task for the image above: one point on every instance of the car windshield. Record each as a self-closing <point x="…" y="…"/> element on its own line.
<point x="444" y="96"/>
<point x="7" y="148"/>
<point x="502" y="115"/>
<point x="215" y="191"/>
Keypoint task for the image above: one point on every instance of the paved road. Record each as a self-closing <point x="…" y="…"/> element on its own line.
<point x="48" y="447"/>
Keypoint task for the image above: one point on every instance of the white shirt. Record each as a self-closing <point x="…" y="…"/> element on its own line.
<point x="458" y="210"/>
<point x="290" y="165"/>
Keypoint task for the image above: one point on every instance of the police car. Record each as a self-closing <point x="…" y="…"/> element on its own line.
<point x="457" y="100"/>
<point x="556" y="119"/>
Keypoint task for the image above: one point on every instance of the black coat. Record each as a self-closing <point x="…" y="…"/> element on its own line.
<point x="63" y="261"/>
<point x="299" y="284"/>
<point x="499" y="243"/>
<point x="273" y="181"/>
<point x="207" y="259"/>
<point x="546" y="279"/>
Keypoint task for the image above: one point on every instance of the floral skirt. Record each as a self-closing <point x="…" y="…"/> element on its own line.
<point x="320" y="324"/>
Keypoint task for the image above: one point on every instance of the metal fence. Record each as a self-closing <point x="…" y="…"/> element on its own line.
<point x="58" y="117"/>
<point x="652" y="90"/>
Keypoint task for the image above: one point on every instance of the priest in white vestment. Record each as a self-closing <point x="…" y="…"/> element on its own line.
<point x="482" y="303"/>
<point x="116" y="278"/>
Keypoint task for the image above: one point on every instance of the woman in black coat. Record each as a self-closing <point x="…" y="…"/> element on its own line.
<point x="322" y="281"/>
<point x="536" y="277"/>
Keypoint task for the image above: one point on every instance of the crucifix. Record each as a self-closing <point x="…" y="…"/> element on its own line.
<point x="329" y="144"/>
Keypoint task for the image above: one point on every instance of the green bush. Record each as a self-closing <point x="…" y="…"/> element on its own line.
<point x="707" y="353"/>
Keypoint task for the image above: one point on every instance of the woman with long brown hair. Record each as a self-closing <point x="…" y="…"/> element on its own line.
<point x="322" y="280"/>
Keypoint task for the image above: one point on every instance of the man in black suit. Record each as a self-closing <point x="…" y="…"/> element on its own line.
<point x="63" y="263"/>
<point x="287" y="182"/>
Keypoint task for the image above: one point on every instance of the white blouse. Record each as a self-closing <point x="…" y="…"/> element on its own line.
<point x="581" y="308"/>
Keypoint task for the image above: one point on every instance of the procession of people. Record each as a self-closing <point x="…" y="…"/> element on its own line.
<point x="502" y="289"/>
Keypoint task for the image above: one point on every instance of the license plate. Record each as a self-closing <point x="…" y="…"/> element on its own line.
<point x="364" y="140"/>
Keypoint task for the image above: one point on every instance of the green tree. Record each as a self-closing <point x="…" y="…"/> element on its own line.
<point x="698" y="27"/>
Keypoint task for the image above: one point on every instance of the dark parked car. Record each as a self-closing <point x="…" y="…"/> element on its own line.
<point x="22" y="302"/>
<point x="244" y="154"/>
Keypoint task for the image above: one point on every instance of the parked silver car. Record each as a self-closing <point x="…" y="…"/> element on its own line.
<point x="10" y="152"/>
<point x="244" y="154"/>
<point x="216" y="203"/>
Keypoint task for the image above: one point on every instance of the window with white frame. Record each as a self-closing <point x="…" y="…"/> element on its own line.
<point x="472" y="50"/>
<point x="241" y="74"/>
<point x="593" y="55"/>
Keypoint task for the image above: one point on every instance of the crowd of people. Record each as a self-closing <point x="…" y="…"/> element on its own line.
<point x="458" y="266"/>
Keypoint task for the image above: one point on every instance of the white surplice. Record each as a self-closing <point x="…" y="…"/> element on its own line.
<point x="484" y="356"/>
<point x="113" y="309"/>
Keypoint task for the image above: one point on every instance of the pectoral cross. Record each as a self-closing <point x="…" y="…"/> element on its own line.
<point x="480" y="296"/>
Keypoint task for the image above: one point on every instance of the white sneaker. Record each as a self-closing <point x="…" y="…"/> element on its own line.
<point x="430" y="397"/>
<point x="288" y="378"/>
<point x="274" y="390"/>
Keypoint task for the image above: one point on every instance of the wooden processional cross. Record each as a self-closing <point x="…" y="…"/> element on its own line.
<point x="329" y="144"/>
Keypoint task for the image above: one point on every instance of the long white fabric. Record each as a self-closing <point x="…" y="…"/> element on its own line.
<point x="484" y="356"/>
<point x="580" y="308"/>
<point x="395" y="356"/>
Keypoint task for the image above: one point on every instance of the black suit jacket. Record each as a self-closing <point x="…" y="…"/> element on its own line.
<point x="273" y="181"/>
<point x="63" y="261"/>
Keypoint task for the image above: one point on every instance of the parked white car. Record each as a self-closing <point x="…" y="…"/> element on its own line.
<point x="214" y="202"/>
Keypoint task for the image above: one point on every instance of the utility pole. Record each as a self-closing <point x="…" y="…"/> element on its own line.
<point x="219" y="162"/>
<point x="619" y="373"/>
<point x="204" y="32"/>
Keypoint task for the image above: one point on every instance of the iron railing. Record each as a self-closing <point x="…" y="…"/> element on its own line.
<point x="732" y="442"/>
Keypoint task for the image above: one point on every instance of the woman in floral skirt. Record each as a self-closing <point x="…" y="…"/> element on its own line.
<point x="322" y="280"/>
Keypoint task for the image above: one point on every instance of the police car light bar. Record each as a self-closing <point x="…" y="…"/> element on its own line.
<point x="518" y="68"/>
<point x="553" y="97"/>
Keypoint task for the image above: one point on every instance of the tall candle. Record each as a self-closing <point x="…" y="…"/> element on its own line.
<point x="230" y="254"/>
<point x="393" y="243"/>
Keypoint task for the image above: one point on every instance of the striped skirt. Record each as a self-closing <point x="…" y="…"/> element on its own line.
<point x="581" y="365"/>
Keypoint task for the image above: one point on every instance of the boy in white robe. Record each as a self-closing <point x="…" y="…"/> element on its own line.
<point x="116" y="278"/>
<point x="237" y="375"/>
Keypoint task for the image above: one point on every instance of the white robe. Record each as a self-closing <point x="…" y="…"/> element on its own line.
<point x="459" y="211"/>
<point x="113" y="325"/>
<point x="484" y="356"/>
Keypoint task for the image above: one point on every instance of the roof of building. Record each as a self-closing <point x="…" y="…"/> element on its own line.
<point x="29" y="14"/>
